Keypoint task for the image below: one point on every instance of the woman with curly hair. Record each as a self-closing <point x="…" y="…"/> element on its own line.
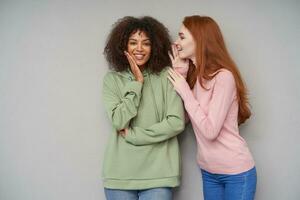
<point x="142" y="159"/>
<point x="215" y="99"/>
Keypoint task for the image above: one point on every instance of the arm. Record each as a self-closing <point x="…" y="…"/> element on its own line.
<point x="209" y="124"/>
<point x="121" y="109"/>
<point x="170" y="126"/>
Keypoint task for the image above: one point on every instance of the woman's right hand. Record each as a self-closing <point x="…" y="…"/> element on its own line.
<point x="134" y="68"/>
<point x="178" y="64"/>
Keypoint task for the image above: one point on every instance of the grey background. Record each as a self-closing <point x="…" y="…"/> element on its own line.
<point x="53" y="127"/>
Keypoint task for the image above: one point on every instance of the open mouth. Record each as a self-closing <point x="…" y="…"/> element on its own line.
<point x="139" y="56"/>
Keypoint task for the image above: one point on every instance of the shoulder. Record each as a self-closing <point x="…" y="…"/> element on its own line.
<point x="225" y="76"/>
<point x="112" y="77"/>
<point x="225" y="81"/>
<point x="109" y="76"/>
<point x="161" y="78"/>
<point x="164" y="72"/>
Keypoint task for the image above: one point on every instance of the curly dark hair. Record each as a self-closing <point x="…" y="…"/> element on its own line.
<point x="118" y="39"/>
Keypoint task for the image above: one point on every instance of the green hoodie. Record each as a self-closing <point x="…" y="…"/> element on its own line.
<point x="148" y="156"/>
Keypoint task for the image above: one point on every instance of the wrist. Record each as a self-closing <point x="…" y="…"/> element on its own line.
<point x="140" y="80"/>
<point x="182" y="70"/>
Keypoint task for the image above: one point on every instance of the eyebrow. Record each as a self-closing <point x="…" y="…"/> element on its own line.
<point x="180" y="34"/>
<point x="136" y="40"/>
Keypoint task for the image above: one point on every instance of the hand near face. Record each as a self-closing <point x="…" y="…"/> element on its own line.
<point x="179" y="64"/>
<point x="178" y="81"/>
<point x="134" y="68"/>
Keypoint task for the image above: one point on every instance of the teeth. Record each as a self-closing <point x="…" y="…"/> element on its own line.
<point x="139" y="57"/>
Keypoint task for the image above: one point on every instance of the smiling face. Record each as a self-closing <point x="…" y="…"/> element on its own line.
<point x="139" y="47"/>
<point x="185" y="44"/>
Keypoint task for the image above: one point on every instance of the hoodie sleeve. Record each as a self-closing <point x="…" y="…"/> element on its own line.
<point x="170" y="126"/>
<point x="121" y="108"/>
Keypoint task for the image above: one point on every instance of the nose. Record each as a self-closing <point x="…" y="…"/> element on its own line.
<point x="139" y="47"/>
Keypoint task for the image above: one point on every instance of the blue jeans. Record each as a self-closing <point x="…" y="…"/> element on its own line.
<point x="229" y="187"/>
<point x="164" y="193"/>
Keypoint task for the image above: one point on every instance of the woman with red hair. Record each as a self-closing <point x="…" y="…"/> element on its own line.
<point x="215" y="99"/>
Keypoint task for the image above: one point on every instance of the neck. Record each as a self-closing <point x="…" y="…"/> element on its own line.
<point x="141" y="67"/>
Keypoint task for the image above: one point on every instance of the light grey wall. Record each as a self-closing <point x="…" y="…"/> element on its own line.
<point x="53" y="127"/>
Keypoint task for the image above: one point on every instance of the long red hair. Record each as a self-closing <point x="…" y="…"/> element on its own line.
<point x="211" y="56"/>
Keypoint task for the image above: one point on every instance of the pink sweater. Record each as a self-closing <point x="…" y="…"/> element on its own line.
<point x="213" y="114"/>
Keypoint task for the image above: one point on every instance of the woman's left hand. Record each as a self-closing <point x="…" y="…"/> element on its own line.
<point x="178" y="81"/>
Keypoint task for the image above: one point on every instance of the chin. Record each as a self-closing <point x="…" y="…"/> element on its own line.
<point x="140" y="63"/>
<point x="182" y="57"/>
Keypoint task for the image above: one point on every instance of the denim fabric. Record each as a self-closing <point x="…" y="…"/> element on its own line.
<point x="148" y="194"/>
<point x="229" y="187"/>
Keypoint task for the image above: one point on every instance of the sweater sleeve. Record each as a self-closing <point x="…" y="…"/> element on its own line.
<point x="209" y="124"/>
<point x="170" y="126"/>
<point x="121" y="108"/>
